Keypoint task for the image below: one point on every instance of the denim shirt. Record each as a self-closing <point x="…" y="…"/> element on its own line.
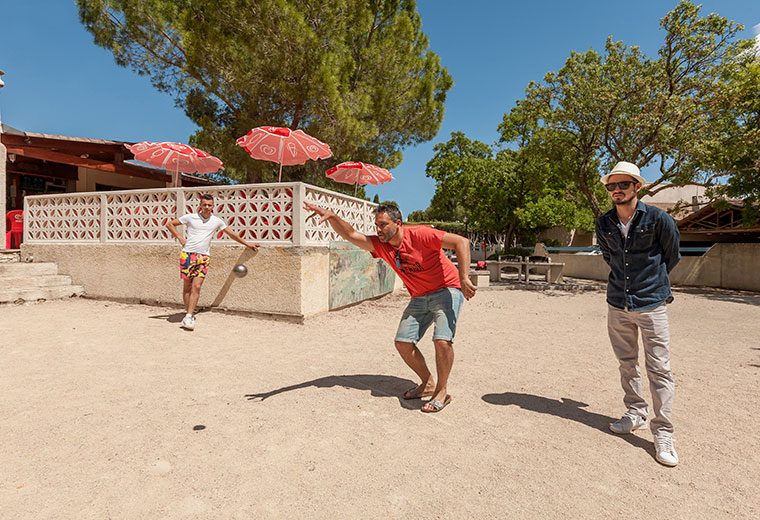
<point x="640" y="263"/>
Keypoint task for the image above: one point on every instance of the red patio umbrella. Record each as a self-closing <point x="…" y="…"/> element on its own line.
<point x="359" y="173"/>
<point x="177" y="157"/>
<point x="283" y="146"/>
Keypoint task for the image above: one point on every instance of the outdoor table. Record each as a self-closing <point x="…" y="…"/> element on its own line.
<point x="494" y="268"/>
<point x="553" y="270"/>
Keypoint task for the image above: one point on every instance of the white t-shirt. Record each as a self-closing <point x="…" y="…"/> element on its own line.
<point x="624" y="228"/>
<point x="200" y="231"/>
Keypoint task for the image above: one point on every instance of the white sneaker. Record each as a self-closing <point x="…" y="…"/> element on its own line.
<point x="627" y="424"/>
<point x="188" y="323"/>
<point x="666" y="453"/>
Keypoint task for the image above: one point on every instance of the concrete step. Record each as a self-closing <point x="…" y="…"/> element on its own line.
<point x="10" y="255"/>
<point x="19" y="269"/>
<point x="40" y="293"/>
<point x="29" y="282"/>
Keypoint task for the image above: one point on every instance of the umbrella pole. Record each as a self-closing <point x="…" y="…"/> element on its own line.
<point x="279" y="179"/>
<point x="356" y="188"/>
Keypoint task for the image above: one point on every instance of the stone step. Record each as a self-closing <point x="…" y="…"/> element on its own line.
<point x="10" y="255"/>
<point x="39" y="293"/>
<point x="29" y="282"/>
<point x="18" y="269"/>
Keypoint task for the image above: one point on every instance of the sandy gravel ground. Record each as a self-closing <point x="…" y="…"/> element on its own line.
<point x="112" y="411"/>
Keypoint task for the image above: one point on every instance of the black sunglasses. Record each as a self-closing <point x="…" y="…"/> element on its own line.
<point x="623" y="185"/>
<point x="398" y="258"/>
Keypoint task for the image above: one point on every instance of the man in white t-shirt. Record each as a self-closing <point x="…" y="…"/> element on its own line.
<point x="193" y="260"/>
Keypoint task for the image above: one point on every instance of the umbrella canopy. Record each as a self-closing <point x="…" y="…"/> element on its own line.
<point x="283" y="146"/>
<point x="177" y="157"/>
<point x="359" y="173"/>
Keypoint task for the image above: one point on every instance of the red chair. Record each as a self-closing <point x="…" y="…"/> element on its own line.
<point x="14" y="228"/>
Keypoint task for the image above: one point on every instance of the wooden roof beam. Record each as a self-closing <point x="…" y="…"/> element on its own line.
<point x="73" y="147"/>
<point x="75" y="160"/>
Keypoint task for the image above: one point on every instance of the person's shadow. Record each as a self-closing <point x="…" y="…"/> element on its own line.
<point x="171" y="318"/>
<point x="175" y="317"/>
<point x="566" y="409"/>
<point x="378" y="385"/>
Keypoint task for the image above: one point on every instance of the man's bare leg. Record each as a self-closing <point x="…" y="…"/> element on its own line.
<point x="416" y="361"/>
<point x="444" y="360"/>
<point x="194" y="294"/>
<point x="187" y="287"/>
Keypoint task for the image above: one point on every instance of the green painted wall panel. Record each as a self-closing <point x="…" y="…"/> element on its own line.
<point x="356" y="276"/>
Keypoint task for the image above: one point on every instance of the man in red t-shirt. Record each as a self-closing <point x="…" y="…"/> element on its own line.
<point x="436" y="286"/>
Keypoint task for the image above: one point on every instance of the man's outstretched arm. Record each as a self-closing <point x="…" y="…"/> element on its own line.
<point x="341" y="227"/>
<point x="237" y="238"/>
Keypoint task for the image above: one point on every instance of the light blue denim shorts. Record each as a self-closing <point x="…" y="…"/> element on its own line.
<point x="441" y="307"/>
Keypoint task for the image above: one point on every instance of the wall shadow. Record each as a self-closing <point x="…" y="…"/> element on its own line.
<point x="567" y="409"/>
<point x="378" y="385"/>
<point x="723" y="295"/>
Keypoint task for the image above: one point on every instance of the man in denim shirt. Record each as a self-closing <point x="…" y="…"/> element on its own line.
<point x="640" y="244"/>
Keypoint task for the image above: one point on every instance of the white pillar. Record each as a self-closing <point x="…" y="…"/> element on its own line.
<point x="3" y="186"/>
<point x="180" y="202"/>
<point x="103" y="218"/>
<point x="3" y="178"/>
<point x="299" y="215"/>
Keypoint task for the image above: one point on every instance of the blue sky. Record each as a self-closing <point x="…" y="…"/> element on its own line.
<point x="59" y="82"/>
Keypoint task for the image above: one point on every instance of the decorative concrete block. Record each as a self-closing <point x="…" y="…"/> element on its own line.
<point x="480" y="278"/>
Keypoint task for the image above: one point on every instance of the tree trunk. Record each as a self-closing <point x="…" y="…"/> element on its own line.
<point x="252" y="177"/>
<point x="583" y="184"/>
<point x="510" y="234"/>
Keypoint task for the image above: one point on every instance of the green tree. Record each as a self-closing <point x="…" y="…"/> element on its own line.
<point x="456" y="168"/>
<point x="665" y="112"/>
<point x="390" y="203"/>
<point x="504" y="191"/>
<point x="738" y="153"/>
<point x="543" y="194"/>
<point x="356" y="74"/>
<point x="419" y="215"/>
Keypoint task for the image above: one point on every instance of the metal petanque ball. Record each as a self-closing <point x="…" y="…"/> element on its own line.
<point x="240" y="270"/>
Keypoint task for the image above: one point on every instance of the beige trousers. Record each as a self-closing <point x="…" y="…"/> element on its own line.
<point x="623" y="327"/>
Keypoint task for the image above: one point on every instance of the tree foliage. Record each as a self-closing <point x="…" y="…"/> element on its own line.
<point x="420" y="215"/>
<point x="667" y="112"/>
<point x="692" y="113"/>
<point x="498" y="190"/>
<point x="356" y="74"/>
<point x="738" y="153"/>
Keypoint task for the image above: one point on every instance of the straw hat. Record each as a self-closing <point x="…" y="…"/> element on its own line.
<point x="624" y="168"/>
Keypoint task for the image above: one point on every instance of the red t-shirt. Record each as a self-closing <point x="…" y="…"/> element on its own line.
<point x="424" y="266"/>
